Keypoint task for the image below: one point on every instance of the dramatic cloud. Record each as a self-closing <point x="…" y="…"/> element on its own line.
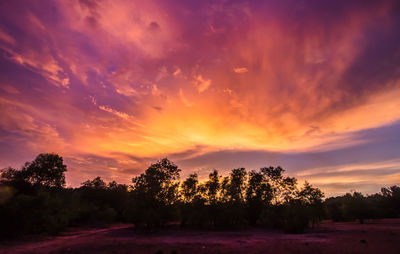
<point x="114" y="85"/>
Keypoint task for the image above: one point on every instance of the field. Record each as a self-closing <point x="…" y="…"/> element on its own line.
<point x="379" y="236"/>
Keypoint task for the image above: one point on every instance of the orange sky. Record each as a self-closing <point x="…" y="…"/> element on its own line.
<point x="114" y="85"/>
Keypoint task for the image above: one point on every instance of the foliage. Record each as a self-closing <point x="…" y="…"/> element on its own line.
<point x="34" y="200"/>
<point x="155" y="192"/>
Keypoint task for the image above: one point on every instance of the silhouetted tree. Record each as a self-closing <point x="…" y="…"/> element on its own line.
<point x="16" y="179"/>
<point x="311" y="198"/>
<point x="390" y="200"/>
<point x="212" y="187"/>
<point x="46" y="170"/>
<point x="190" y="188"/>
<point x="236" y="185"/>
<point x="233" y="191"/>
<point x="283" y="188"/>
<point x="192" y="202"/>
<point x="357" y="207"/>
<point x="96" y="183"/>
<point x="155" y="192"/>
<point x="351" y="206"/>
<point x="258" y="195"/>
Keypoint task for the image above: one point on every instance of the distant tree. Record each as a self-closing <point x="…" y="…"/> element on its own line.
<point x="96" y="183"/>
<point x="113" y="185"/>
<point x="351" y="206"/>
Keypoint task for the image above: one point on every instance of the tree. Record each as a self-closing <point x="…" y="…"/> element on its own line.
<point x="258" y="188"/>
<point x="283" y="188"/>
<point x="96" y="183"/>
<point x="258" y="196"/>
<point x="15" y="179"/>
<point x="158" y="181"/>
<point x="311" y="198"/>
<point x="358" y="207"/>
<point x="46" y="170"/>
<point x="231" y="210"/>
<point x="391" y="200"/>
<point x="155" y="192"/>
<point x="310" y="195"/>
<point x="212" y="187"/>
<point x="189" y="188"/>
<point x="236" y="185"/>
<point x="193" y="204"/>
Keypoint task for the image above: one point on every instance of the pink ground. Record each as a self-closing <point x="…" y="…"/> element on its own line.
<point x="382" y="236"/>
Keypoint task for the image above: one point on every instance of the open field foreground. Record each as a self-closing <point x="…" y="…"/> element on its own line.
<point x="381" y="236"/>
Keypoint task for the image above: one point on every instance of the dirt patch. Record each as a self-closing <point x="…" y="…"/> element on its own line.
<point x="381" y="236"/>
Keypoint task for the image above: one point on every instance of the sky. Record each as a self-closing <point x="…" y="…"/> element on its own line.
<point x="114" y="85"/>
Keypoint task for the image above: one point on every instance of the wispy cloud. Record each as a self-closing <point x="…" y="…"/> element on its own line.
<point x="201" y="83"/>
<point x="240" y="70"/>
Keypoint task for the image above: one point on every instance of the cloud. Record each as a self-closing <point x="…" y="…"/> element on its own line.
<point x="148" y="79"/>
<point x="155" y="90"/>
<point x="240" y="70"/>
<point x="184" y="100"/>
<point x="6" y="37"/>
<point x="20" y="130"/>
<point x="202" y="84"/>
<point x="115" y="112"/>
<point x="177" y="72"/>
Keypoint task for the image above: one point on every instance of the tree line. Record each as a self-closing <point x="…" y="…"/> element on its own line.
<point x="34" y="200"/>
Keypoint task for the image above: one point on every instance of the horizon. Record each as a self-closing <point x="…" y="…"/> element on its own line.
<point x="113" y="86"/>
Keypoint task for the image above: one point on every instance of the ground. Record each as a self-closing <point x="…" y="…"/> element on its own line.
<point x="379" y="236"/>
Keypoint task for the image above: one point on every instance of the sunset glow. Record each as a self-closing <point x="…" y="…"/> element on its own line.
<point x="313" y="86"/>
